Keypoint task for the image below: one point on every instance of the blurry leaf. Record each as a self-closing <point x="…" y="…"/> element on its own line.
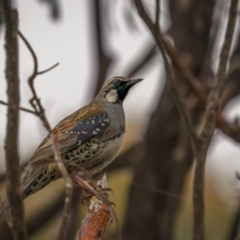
<point x="54" y="7"/>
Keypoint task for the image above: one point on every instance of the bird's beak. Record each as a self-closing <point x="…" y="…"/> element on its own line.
<point x="135" y="81"/>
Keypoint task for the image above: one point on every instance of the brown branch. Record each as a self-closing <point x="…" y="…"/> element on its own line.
<point x="209" y="124"/>
<point x="48" y="69"/>
<point x="99" y="216"/>
<point x="40" y="111"/>
<point x="158" y="10"/>
<point x="20" y="108"/>
<point x="35" y="101"/>
<point x="103" y="60"/>
<point x="11" y="142"/>
<point x="169" y="71"/>
<point x="216" y="24"/>
<point x="230" y="129"/>
<point x="68" y="185"/>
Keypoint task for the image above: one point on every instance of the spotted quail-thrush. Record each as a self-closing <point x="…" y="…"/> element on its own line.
<point x="90" y="138"/>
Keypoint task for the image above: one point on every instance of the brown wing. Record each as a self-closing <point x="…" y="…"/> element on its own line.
<point x="71" y="135"/>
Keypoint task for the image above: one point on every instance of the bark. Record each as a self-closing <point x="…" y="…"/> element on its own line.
<point x="11" y="141"/>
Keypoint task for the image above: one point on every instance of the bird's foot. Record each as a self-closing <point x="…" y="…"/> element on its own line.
<point x="104" y="191"/>
<point x="98" y="191"/>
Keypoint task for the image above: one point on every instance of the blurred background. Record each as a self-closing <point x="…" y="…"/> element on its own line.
<point x="94" y="40"/>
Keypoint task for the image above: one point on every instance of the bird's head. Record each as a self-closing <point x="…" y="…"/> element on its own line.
<point x="116" y="89"/>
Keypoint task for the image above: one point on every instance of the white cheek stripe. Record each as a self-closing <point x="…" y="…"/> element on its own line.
<point x="112" y="96"/>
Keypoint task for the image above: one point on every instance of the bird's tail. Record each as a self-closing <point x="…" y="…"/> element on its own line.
<point x="4" y="207"/>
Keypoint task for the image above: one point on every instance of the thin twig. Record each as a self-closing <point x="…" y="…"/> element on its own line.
<point x="48" y="69"/>
<point x="68" y="185"/>
<point x="11" y="142"/>
<point x="35" y="100"/>
<point x="20" y="108"/>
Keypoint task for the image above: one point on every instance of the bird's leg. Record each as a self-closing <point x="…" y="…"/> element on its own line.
<point x="97" y="184"/>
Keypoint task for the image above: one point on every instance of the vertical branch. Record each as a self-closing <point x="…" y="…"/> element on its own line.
<point x="68" y="187"/>
<point x="209" y="124"/>
<point x="103" y="60"/>
<point x="11" y="142"/>
<point x="158" y="10"/>
<point x="169" y="71"/>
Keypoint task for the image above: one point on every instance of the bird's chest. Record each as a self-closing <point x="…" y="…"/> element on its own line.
<point x="95" y="154"/>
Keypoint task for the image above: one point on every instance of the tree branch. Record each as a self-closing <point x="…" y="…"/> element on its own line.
<point x="35" y="101"/>
<point x="154" y="28"/>
<point x="11" y="142"/>
<point x="20" y="108"/>
<point x="209" y="124"/>
<point x="104" y="60"/>
<point x="68" y="187"/>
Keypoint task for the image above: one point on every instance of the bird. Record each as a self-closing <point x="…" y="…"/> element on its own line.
<point x="88" y="139"/>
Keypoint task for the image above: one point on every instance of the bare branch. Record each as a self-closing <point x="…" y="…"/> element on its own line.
<point x="35" y="100"/>
<point x="103" y="60"/>
<point x="48" y="69"/>
<point x="11" y="142"/>
<point x="169" y="71"/>
<point x="158" y="10"/>
<point x="209" y="124"/>
<point x="68" y="185"/>
<point x="20" y="108"/>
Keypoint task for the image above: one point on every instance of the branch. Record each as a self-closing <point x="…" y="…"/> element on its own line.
<point x="99" y="216"/>
<point x="158" y="10"/>
<point x="68" y="185"/>
<point x="40" y="111"/>
<point x="35" y="101"/>
<point x="20" y="108"/>
<point x="209" y="124"/>
<point x="11" y="142"/>
<point x="103" y="60"/>
<point x="225" y="126"/>
<point x="169" y="71"/>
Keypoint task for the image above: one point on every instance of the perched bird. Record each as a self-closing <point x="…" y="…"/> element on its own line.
<point x="90" y="138"/>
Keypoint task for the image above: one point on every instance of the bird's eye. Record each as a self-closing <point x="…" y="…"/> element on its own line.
<point x="117" y="83"/>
